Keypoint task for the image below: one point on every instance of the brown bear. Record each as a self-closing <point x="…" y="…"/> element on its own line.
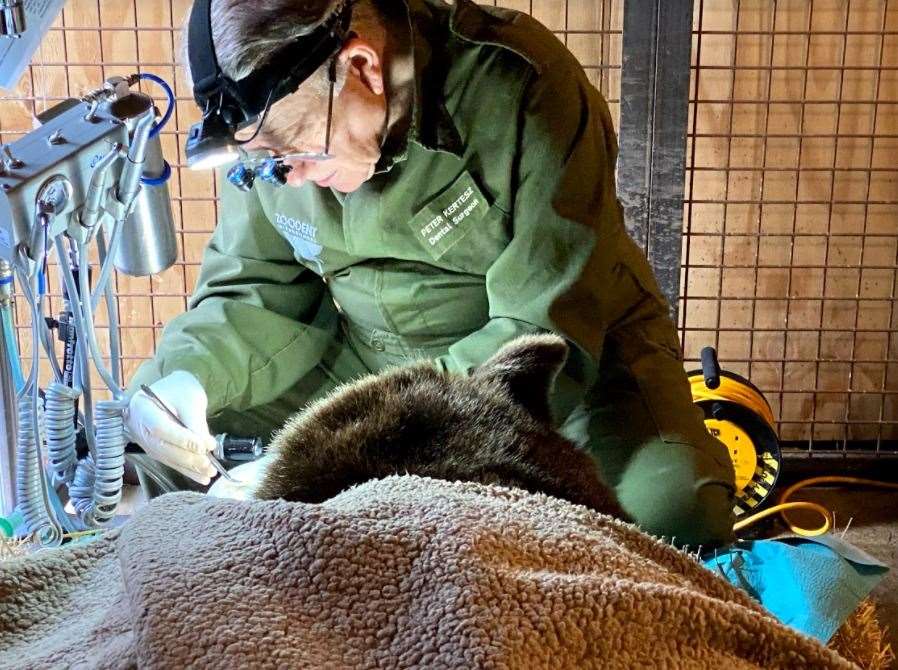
<point x="492" y="427"/>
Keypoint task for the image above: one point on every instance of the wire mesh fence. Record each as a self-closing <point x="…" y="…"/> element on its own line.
<point x="790" y="243"/>
<point x="791" y="232"/>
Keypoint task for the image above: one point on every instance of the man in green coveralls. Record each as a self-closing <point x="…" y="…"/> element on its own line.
<point x="469" y="199"/>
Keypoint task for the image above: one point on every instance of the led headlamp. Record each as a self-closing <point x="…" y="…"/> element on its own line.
<point x="230" y="105"/>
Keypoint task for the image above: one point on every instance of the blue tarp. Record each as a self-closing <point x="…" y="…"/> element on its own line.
<point x="810" y="584"/>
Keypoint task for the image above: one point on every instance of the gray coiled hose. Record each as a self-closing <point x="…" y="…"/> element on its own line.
<point x="97" y="486"/>
<point x="110" y="464"/>
<point x="31" y="486"/>
<point x="81" y="490"/>
<point x="29" y="479"/>
<point x="59" y="416"/>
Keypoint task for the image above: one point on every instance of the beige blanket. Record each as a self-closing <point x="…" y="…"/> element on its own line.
<point x="398" y="573"/>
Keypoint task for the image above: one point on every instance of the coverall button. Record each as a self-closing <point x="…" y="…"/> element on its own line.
<point x="378" y="345"/>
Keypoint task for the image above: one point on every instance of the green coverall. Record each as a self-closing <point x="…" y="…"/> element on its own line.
<point x="492" y="215"/>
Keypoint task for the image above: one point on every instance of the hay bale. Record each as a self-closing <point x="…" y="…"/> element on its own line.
<point x="12" y="548"/>
<point x="861" y="640"/>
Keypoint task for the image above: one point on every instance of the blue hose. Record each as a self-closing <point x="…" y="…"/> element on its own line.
<point x="9" y="334"/>
<point x="157" y="128"/>
<point x="161" y="179"/>
<point x="171" y="100"/>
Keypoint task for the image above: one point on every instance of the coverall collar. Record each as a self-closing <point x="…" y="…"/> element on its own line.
<point x="414" y="79"/>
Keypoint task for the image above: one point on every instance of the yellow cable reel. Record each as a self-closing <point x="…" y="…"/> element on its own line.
<point x="738" y="415"/>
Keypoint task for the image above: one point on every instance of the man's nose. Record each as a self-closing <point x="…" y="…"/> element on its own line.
<point x="299" y="173"/>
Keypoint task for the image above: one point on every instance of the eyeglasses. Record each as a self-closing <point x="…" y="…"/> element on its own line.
<point x="274" y="169"/>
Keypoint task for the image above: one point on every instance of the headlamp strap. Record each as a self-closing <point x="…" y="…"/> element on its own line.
<point x="203" y="62"/>
<point x="277" y="78"/>
<point x="294" y="63"/>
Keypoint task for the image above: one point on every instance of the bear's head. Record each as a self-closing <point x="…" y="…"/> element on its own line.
<point x="493" y="426"/>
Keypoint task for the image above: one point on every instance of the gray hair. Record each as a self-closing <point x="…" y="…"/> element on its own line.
<point x="245" y="33"/>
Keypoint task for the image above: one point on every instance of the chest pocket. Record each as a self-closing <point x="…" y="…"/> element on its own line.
<point x="460" y="229"/>
<point x="303" y="237"/>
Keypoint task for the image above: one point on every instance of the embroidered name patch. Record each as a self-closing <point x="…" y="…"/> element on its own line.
<point x="443" y="221"/>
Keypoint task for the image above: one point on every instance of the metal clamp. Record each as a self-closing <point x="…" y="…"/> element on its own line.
<point x="12" y="18"/>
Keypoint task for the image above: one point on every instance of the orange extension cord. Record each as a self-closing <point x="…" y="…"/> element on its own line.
<point x="784" y="505"/>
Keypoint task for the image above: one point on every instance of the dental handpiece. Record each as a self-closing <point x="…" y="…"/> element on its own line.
<point x="238" y="449"/>
<point x="174" y="417"/>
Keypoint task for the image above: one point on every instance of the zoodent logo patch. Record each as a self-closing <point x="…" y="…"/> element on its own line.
<point x="303" y="237"/>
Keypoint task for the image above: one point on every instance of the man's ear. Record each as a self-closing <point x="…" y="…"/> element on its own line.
<point x="527" y="367"/>
<point x="364" y="62"/>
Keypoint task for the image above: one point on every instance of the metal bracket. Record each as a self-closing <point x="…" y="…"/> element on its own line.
<point x="657" y="45"/>
<point x="13" y="19"/>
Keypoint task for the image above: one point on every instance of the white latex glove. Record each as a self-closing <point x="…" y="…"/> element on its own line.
<point x="162" y="438"/>
<point x="247" y="477"/>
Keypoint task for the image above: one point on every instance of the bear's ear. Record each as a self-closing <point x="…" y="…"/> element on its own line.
<point x="527" y="367"/>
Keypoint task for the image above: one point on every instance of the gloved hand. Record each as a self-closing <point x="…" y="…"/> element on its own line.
<point x="162" y="438"/>
<point x="247" y="477"/>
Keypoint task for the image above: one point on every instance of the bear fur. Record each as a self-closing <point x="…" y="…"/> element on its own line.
<point x="492" y="427"/>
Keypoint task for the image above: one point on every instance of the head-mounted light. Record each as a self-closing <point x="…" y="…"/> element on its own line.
<point x="210" y="144"/>
<point x="229" y="105"/>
